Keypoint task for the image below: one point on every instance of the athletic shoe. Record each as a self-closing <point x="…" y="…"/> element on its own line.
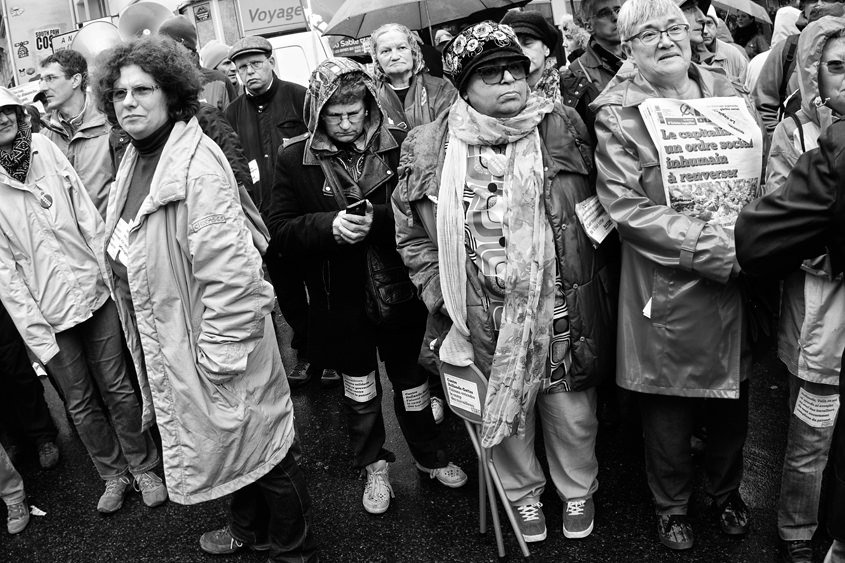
<point x="578" y="518"/>
<point x="531" y="521"/>
<point x="451" y="476"/>
<point x="377" y="491"/>
<point x="151" y="488"/>
<point x="675" y="531"/>
<point x="221" y="542"/>
<point x="18" y="517"/>
<point x="112" y="498"/>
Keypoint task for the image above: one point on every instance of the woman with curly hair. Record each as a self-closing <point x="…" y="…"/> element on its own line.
<point x="195" y="309"/>
<point x="408" y="94"/>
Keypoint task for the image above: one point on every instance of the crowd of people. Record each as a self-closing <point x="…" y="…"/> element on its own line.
<point x="537" y="220"/>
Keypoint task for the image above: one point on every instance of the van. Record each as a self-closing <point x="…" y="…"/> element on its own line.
<point x="298" y="54"/>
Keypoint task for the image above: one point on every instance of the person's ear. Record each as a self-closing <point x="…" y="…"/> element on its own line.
<point x="546" y="50"/>
<point x="626" y="50"/>
<point x="588" y="25"/>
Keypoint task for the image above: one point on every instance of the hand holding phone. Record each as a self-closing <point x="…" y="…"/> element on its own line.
<point x="357" y="208"/>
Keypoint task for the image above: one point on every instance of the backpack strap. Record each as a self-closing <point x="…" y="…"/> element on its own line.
<point x="800" y="131"/>
<point x="788" y="65"/>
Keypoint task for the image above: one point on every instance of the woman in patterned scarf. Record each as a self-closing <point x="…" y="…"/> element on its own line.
<point x="486" y="224"/>
<point x="408" y="94"/>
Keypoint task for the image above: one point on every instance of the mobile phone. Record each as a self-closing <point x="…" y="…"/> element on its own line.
<point x="357" y="208"/>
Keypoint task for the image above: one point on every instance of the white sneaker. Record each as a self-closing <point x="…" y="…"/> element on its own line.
<point x="451" y="476"/>
<point x="377" y="491"/>
<point x="437" y="409"/>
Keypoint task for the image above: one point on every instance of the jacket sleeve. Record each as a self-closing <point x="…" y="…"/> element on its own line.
<point x="766" y="91"/>
<point x="446" y="96"/>
<point x="235" y="297"/>
<point x="782" y="156"/>
<point x="777" y="231"/>
<point x="23" y="308"/>
<point x="653" y="230"/>
<point x="418" y="251"/>
<point x="293" y="231"/>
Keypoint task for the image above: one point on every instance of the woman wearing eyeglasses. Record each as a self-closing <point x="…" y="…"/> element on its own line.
<point x="408" y="94"/>
<point x="195" y="308"/>
<point x="53" y="285"/>
<point x="810" y="336"/>
<point x="682" y="335"/>
<point x="331" y="210"/>
<point x="486" y="223"/>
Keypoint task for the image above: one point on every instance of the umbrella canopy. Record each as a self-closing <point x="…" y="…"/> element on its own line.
<point x="749" y="7"/>
<point x="359" y="18"/>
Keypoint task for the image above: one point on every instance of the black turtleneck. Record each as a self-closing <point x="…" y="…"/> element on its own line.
<point x="149" y="152"/>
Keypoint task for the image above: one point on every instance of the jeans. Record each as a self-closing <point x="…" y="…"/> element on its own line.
<point x="277" y="508"/>
<point x="23" y="410"/>
<point x="11" y="484"/>
<point x="668" y="422"/>
<point x="399" y="349"/>
<point x="807" y="450"/>
<point x="570" y="427"/>
<point x="91" y="360"/>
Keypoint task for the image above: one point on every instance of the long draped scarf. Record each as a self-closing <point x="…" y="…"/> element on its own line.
<point x="522" y="346"/>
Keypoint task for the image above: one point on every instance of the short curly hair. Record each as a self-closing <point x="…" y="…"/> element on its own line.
<point x="72" y="62"/>
<point x="163" y="59"/>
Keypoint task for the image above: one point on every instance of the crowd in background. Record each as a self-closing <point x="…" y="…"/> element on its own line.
<point x="410" y="222"/>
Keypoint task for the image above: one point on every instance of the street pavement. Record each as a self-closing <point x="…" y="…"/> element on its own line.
<point x="426" y="522"/>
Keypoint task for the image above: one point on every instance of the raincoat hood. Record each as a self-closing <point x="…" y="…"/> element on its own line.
<point x="810" y="46"/>
<point x="784" y="25"/>
<point x="323" y="84"/>
<point x="416" y="52"/>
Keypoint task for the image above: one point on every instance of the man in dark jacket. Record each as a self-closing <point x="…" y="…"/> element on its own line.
<point x="264" y="116"/>
<point x="804" y="219"/>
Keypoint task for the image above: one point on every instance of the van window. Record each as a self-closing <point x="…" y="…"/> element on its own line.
<point x="292" y="64"/>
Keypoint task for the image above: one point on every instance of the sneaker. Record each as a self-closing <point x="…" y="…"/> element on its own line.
<point x="733" y="515"/>
<point x="112" y="499"/>
<point x="437" y="410"/>
<point x="798" y="551"/>
<point x="18" y="517"/>
<point x="578" y="518"/>
<point x="151" y="488"/>
<point x="221" y="542"/>
<point x="675" y="531"/>
<point x="299" y="375"/>
<point x="531" y="521"/>
<point x="377" y="491"/>
<point x="48" y="455"/>
<point x="330" y="378"/>
<point x="452" y="476"/>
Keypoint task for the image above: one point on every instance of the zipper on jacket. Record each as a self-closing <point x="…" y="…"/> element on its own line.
<point x="327" y="284"/>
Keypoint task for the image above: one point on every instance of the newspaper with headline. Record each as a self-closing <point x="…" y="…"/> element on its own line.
<point x="711" y="153"/>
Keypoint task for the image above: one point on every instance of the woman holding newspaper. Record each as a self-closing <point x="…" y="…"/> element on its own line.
<point x="679" y="153"/>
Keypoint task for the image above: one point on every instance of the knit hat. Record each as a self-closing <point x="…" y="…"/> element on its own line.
<point x="181" y="30"/>
<point x="478" y="44"/>
<point x="532" y="24"/>
<point x="213" y="54"/>
<point x="250" y="44"/>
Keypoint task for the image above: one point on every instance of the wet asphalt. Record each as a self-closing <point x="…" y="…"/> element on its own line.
<point x="426" y="522"/>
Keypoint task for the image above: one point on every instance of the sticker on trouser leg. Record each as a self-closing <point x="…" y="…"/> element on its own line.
<point x="360" y="389"/>
<point x="417" y="398"/>
<point x="818" y="411"/>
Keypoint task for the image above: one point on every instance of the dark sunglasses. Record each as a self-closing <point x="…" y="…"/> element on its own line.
<point x="493" y="74"/>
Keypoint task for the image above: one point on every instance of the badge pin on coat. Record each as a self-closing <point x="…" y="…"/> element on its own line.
<point x="46" y="201"/>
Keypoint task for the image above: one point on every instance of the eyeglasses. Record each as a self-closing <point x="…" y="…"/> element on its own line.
<point x="138" y="92"/>
<point x="652" y="36"/>
<point x="254" y="65"/>
<point x="50" y="78"/>
<point x="492" y="75"/>
<point x="834" y="67"/>
<point x="337" y="118"/>
<point x="607" y="12"/>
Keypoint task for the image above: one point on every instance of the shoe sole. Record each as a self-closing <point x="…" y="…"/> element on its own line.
<point x="535" y="538"/>
<point x="104" y="511"/>
<point x="734" y="531"/>
<point x="677" y="546"/>
<point x="376" y="510"/>
<point x="578" y="535"/>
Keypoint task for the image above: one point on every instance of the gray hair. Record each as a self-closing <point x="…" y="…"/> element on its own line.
<point x="636" y="12"/>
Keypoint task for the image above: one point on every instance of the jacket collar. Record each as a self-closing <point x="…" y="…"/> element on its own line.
<point x="634" y="90"/>
<point x="91" y="119"/>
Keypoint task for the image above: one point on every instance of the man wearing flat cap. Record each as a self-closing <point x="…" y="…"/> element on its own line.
<point x="267" y="114"/>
